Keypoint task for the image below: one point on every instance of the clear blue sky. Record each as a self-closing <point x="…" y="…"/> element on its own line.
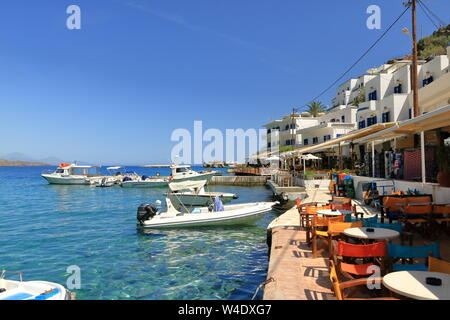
<point x="113" y="91"/>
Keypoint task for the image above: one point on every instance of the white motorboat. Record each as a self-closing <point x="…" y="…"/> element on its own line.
<point x="144" y="182"/>
<point x="234" y="214"/>
<point x="71" y="174"/>
<point x="184" y="173"/>
<point x="31" y="290"/>
<point x="192" y="193"/>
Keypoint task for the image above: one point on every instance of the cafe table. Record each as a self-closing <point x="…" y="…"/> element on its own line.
<point x="413" y="284"/>
<point x="368" y="235"/>
<point x="333" y="213"/>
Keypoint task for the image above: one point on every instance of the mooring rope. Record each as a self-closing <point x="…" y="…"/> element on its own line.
<point x="262" y="285"/>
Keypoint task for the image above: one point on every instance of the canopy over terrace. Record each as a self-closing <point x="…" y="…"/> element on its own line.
<point x="356" y="134"/>
<point x="428" y="121"/>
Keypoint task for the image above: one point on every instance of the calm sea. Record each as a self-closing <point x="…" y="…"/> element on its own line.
<point x="45" y="228"/>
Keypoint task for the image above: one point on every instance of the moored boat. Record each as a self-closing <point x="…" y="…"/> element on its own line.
<point x="71" y="174"/>
<point x="31" y="290"/>
<point x="234" y="214"/>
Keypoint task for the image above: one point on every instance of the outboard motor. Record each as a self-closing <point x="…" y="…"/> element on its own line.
<point x="145" y="212"/>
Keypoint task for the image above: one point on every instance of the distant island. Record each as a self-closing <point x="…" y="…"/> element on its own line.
<point x="12" y="163"/>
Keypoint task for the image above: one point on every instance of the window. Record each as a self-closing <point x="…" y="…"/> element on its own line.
<point x="371" y="121"/>
<point x="326" y="138"/>
<point x="315" y="140"/>
<point x="385" y="117"/>
<point x="268" y="145"/>
<point x="398" y="89"/>
<point x="305" y="142"/>
<point x="343" y="119"/>
<point x="427" y="81"/>
<point x="409" y="113"/>
<point x="286" y="128"/>
<point x="361" y="124"/>
<point x="338" y="135"/>
<point x="268" y="131"/>
<point x="373" y="95"/>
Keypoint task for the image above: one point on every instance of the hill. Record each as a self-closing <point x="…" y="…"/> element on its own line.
<point x="9" y="163"/>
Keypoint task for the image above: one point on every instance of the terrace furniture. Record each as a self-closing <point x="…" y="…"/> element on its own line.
<point x="404" y="236"/>
<point x="335" y="199"/>
<point x="440" y="219"/>
<point x="390" y="205"/>
<point x="335" y="229"/>
<point x="319" y="228"/>
<point x="417" y="218"/>
<point x="366" y="221"/>
<point x="413" y="284"/>
<point x="367" y="235"/>
<point x="359" y="260"/>
<point x="331" y="212"/>
<point x="408" y="256"/>
<point x="342" y="206"/>
<point x="339" y="287"/>
<point x="438" y="265"/>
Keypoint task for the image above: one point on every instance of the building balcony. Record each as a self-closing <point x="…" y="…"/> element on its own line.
<point x="368" y="105"/>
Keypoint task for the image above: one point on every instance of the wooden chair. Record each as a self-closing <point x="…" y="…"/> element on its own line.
<point x="438" y="265"/>
<point x="335" y="227"/>
<point x="341" y="206"/>
<point x="339" y="287"/>
<point x="355" y="260"/>
<point x="341" y="199"/>
<point x="440" y="219"/>
<point x="417" y="218"/>
<point x="408" y="256"/>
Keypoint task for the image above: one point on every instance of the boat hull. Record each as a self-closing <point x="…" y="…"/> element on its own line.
<point x="196" y="200"/>
<point x="66" y="180"/>
<point x="33" y="290"/>
<point x="143" y="184"/>
<point x="238" y="217"/>
<point x="201" y="176"/>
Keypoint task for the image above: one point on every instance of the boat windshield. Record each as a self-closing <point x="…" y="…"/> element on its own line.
<point x="59" y="171"/>
<point x="181" y="170"/>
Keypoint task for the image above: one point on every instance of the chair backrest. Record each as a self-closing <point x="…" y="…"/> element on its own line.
<point x="324" y="221"/>
<point x="418" y="199"/>
<point x="418" y="209"/>
<point x="339" y="227"/>
<point x="438" y="265"/>
<point x="341" y="206"/>
<point x="392" y="203"/>
<point x="392" y="226"/>
<point x="443" y="209"/>
<point x="311" y="209"/>
<point x="335" y="281"/>
<point x="325" y="207"/>
<point x="377" y="249"/>
<point x="298" y="203"/>
<point x="398" y="251"/>
<point x="341" y="199"/>
<point x="367" y="222"/>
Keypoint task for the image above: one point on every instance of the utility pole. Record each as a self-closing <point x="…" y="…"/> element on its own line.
<point x="414" y="81"/>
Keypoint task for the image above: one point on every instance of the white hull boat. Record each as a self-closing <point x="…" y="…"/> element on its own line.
<point x="192" y="193"/>
<point x="31" y="290"/>
<point x="148" y="183"/>
<point x="235" y="214"/>
<point x="70" y="174"/>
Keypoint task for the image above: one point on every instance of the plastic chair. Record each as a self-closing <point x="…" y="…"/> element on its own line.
<point x="417" y="218"/>
<point x="408" y="254"/>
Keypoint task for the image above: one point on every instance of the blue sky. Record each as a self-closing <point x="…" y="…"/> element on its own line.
<point x="114" y="91"/>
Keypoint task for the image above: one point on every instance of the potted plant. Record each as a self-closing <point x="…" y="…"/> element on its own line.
<point x="443" y="160"/>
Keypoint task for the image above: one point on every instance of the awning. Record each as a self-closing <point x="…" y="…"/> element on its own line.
<point x="310" y="157"/>
<point x="348" y="137"/>
<point x="187" y="185"/>
<point x="432" y="120"/>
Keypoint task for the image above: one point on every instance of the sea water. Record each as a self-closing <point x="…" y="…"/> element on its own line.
<point x="45" y="229"/>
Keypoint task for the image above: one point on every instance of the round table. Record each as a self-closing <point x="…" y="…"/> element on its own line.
<point x="333" y="213"/>
<point x="412" y="284"/>
<point x="377" y="234"/>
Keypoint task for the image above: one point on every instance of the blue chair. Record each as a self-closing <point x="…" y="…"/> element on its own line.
<point x="408" y="253"/>
<point x="392" y="226"/>
<point x="366" y="221"/>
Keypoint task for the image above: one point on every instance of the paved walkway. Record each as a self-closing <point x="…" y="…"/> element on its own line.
<point x="298" y="276"/>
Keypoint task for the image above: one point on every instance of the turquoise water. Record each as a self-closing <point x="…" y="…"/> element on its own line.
<point x="46" y="228"/>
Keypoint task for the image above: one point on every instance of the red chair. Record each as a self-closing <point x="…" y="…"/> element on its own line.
<point x="341" y="206"/>
<point x="354" y="260"/>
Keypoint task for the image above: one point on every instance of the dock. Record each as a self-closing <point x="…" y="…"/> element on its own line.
<point x="238" y="180"/>
<point x="293" y="273"/>
<point x="292" y="193"/>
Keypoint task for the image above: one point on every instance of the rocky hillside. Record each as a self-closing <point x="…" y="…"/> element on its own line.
<point x="9" y="163"/>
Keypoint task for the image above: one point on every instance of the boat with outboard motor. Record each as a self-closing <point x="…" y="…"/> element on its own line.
<point x="71" y="174"/>
<point x="218" y="215"/>
<point x="31" y="290"/>
<point x="192" y="193"/>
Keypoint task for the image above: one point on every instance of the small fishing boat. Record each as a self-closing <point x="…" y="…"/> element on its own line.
<point x="192" y="193"/>
<point x="144" y="182"/>
<point x="30" y="290"/>
<point x="71" y="174"/>
<point x="217" y="215"/>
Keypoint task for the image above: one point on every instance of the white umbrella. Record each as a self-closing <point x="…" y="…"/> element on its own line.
<point x="305" y="157"/>
<point x="273" y="158"/>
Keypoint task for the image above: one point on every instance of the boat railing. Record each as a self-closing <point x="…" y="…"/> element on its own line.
<point x="4" y="272"/>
